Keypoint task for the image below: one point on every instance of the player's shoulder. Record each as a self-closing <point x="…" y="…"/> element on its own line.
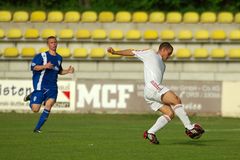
<point x="143" y="50"/>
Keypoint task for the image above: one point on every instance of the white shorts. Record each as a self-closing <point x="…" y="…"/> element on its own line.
<point x="153" y="94"/>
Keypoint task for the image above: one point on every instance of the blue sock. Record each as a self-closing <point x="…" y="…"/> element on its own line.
<point x="42" y="119"/>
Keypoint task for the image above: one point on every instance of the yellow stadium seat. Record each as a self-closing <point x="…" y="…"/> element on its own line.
<point x="133" y="35"/>
<point x="2" y="33"/>
<point x="123" y="16"/>
<point x="150" y="34"/>
<point x="55" y="16"/>
<point x="80" y="53"/>
<point x="140" y="17"/>
<point x="217" y="53"/>
<point x="183" y="53"/>
<point x="234" y="35"/>
<point x="20" y="16"/>
<point x="64" y="52"/>
<point x="208" y="17"/>
<point x="185" y="35"/>
<point x="191" y="17"/>
<point x="65" y="34"/>
<point x="157" y="17"/>
<point x="10" y="52"/>
<point x="106" y="16"/>
<point x="14" y="33"/>
<point x="89" y="16"/>
<point x="28" y="52"/>
<point x="200" y="53"/>
<point x="225" y="17"/>
<point x="83" y="34"/>
<point x="72" y="17"/>
<point x="218" y="35"/>
<point x="167" y="34"/>
<point x="43" y="49"/>
<point x="38" y="16"/>
<point x="99" y="34"/>
<point x="237" y="18"/>
<point x="31" y="33"/>
<point x="116" y="34"/>
<point x="202" y="35"/>
<point x="48" y="32"/>
<point x="174" y="17"/>
<point x="5" y="16"/>
<point x="234" y="53"/>
<point x="97" y="53"/>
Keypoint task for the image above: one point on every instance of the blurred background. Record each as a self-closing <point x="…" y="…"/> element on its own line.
<point x="204" y="69"/>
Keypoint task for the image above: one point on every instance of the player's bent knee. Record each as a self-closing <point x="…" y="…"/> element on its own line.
<point x="171" y="115"/>
<point x="35" y="108"/>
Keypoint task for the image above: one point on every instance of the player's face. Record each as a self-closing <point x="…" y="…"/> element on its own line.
<point x="52" y="44"/>
<point x="166" y="53"/>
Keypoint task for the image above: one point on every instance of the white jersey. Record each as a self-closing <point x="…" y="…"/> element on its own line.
<point x="154" y="66"/>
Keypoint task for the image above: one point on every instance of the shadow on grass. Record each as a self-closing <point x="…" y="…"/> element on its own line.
<point x="208" y="142"/>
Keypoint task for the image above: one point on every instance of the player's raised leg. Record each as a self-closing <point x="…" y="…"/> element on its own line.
<point x="44" y="116"/>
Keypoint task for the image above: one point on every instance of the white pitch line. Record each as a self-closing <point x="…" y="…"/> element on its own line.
<point x="224" y="130"/>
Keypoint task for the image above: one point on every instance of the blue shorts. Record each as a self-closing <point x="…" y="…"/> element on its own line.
<point x="40" y="96"/>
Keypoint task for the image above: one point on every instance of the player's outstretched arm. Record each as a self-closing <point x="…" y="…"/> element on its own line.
<point x="126" y="52"/>
<point x="67" y="71"/>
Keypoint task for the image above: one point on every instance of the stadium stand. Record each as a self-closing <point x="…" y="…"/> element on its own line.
<point x="89" y="16"/>
<point x="80" y="53"/>
<point x="218" y="53"/>
<point x="184" y="35"/>
<point x="133" y="35"/>
<point x="123" y="16"/>
<point x="38" y="16"/>
<point x="64" y="52"/>
<point x="28" y="52"/>
<point x="234" y="53"/>
<point x="72" y="17"/>
<point x="157" y="17"/>
<point x="201" y="35"/>
<point x="48" y="32"/>
<point x="174" y="17"/>
<point x="140" y="17"/>
<point x="65" y="34"/>
<point x="218" y="34"/>
<point x="20" y="16"/>
<point x="2" y="33"/>
<point x="234" y="35"/>
<point x="106" y="16"/>
<point x="97" y="53"/>
<point x="208" y="17"/>
<point x="183" y="53"/>
<point x="200" y="53"/>
<point x="5" y="16"/>
<point x="237" y="18"/>
<point x="150" y="34"/>
<point x="99" y="34"/>
<point x="83" y="34"/>
<point x="43" y="49"/>
<point x="191" y="17"/>
<point x="31" y="33"/>
<point x="167" y="34"/>
<point x="14" y="33"/>
<point x="11" y="52"/>
<point x="55" y="16"/>
<point x="116" y="34"/>
<point x="225" y="17"/>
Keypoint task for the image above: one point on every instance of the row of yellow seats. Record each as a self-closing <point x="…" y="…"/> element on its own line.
<point x="181" y="53"/>
<point x="121" y="16"/>
<point x="100" y="34"/>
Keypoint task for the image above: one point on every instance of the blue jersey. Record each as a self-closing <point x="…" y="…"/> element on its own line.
<point x="46" y="78"/>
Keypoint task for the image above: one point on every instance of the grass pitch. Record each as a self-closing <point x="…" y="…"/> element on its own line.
<point x="114" y="137"/>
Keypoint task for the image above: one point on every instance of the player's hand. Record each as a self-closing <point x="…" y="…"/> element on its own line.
<point x="111" y="50"/>
<point x="49" y="65"/>
<point x="70" y="69"/>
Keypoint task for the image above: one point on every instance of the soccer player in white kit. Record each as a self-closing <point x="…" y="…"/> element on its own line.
<point x="159" y="97"/>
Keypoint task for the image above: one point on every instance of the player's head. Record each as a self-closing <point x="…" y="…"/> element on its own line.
<point x="52" y="43"/>
<point x="165" y="50"/>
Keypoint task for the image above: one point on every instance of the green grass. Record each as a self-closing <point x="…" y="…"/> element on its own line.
<point x="114" y="137"/>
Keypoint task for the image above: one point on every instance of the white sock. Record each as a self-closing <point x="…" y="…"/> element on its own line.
<point x="160" y="123"/>
<point x="182" y="115"/>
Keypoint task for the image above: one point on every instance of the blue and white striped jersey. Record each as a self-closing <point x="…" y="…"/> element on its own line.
<point x="46" y="78"/>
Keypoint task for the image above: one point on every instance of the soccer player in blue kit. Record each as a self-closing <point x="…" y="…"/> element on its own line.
<point x="45" y="67"/>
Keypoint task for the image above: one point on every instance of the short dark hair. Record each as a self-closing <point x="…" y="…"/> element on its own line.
<point x="51" y="37"/>
<point x="166" y="45"/>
